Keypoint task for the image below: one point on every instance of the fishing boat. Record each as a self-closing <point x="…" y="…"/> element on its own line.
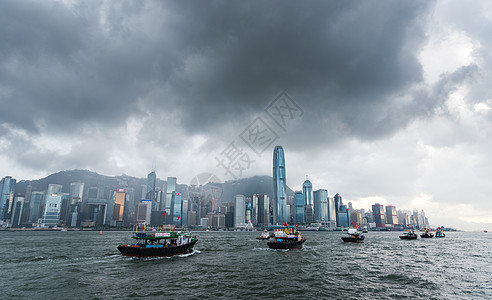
<point x="265" y="235"/>
<point x="427" y="234"/>
<point x="288" y="238"/>
<point x="409" y="235"/>
<point x="440" y="233"/>
<point x="354" y="236"/>
<point x="152" y="241"/>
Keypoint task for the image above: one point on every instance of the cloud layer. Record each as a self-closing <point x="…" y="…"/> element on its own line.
<point x="394" y="93"/>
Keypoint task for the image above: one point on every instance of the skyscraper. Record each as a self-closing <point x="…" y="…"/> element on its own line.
<point x="54" y="189"/>
<point x="36" y="208"/>
<point x="299" y="208"/>
<point x="391" y="216"/>
<point x="150" y="191"/>
<point x="307" y="192"/>
<point x="51" y="214"/>
<point x="119" y="206"/>
<point x="378" y="215"/>
<point x="240" y="211"/>
<point x="279" y="187"/>
<point x="176" y="208"/>
<point x="170" y="188"/>
<point x="7" y="189"/>
<point x="320" y="200"/>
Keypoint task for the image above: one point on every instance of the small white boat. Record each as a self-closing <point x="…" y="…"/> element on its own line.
<point x="265" y="235"/>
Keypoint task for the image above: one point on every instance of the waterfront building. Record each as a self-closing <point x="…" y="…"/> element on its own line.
<point x="94" y="192"/>
<point x="254" y="210"/>
<point x="332" y="213"/>
<point x="240" y="211"/>
<point x="150" y="192"/>
<point x="204" y="222"/>
<point x="170" y="189"/>
<point x="176" y="208"/>
<point x="54" y="189"/>
<point x="119" y="206"/>
<point x="338" y="202"/>
<point x="7" y="189"/>
<point x="343" y="217"/>
<point x="378" y="215"/>
<point x="299" y="208"/>
<point x="36" y="206"/>
<point x="279" y="187"/>
<point x="391" y="215"/>
<point x="355" y="218"/>
<point x="263" y="217"/>
<point x="75" y="202"/>
<point x="52" y="209"/>
<point x="320" y="200"/>
<point x="17" y="210"/>
<point x="144" y="212"/>
<point x="307" y="192"/>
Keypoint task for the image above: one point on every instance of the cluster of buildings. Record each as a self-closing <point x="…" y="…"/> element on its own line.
<point x="193" y="206"/>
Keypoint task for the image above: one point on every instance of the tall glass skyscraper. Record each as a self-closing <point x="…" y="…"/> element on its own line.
<point x="299" y="207"/>
<point x="279" y="187"/>
<point x="307" y="192"/>
<point x="150" y="195"/>
<point x="320" y="199"/>
<point x="7" y="189"/>
<point x="240" y="211"/>
<point x="170" y="188"/>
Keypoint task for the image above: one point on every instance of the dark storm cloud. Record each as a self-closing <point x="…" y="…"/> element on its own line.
<point x="211" y="63"/>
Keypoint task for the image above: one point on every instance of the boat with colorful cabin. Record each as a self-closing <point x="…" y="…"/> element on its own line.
<point x="158" y="241"/>
<point x="288" y="238"/>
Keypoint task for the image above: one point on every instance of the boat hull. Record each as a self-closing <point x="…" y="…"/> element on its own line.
<point x="406" y="237"/>
<point x="349" y="239"/>
<point x="428" y="236"/>
<point x="286" y="245"/>
<point x="131" y="250"/>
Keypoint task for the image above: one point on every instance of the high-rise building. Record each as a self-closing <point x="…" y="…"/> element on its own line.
<point x="240" y="211"/>
<point x="279" y="187"/>
<point x="150" y="190"/>
<point x="54" y="189"/>
<point x="184" y="212"/>
<point x="263" y="214"/>
<point x="144" y="211"/>
<point x="338" y="202"/>
<point x="52" y="207"/>
<point x="320" y="200"/>
<point x="36" y="206"/>
<point x="119" y="206"/>
<point x="343" y="217"/>
<point x="94" y="192"/>
<point x="176" y="208"/>
<point x="7" y="189"/>
<point x="299" y="208"/>
<point x="17" y="210"/>
<point x="378" y="215"/>
<point x="391" y="216"/>
<point x="307" y="192"/>
<point x="170" y="188"/>
<point x="355" y="218"/>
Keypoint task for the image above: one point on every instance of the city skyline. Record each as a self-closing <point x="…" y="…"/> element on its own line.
<point x="390" y="100"/>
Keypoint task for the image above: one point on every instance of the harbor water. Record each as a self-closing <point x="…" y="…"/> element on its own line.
<point x="234" y="265"/>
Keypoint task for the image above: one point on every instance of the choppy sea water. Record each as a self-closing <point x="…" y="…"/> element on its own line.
<point x="234" y="265"/>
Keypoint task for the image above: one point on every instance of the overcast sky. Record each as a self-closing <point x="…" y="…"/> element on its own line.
<point x="380" y="101"/>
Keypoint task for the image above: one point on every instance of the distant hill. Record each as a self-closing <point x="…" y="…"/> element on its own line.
<point x="243" y="186"/>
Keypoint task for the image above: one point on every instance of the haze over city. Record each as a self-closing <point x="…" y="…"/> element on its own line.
<point x="390" y="99"/>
